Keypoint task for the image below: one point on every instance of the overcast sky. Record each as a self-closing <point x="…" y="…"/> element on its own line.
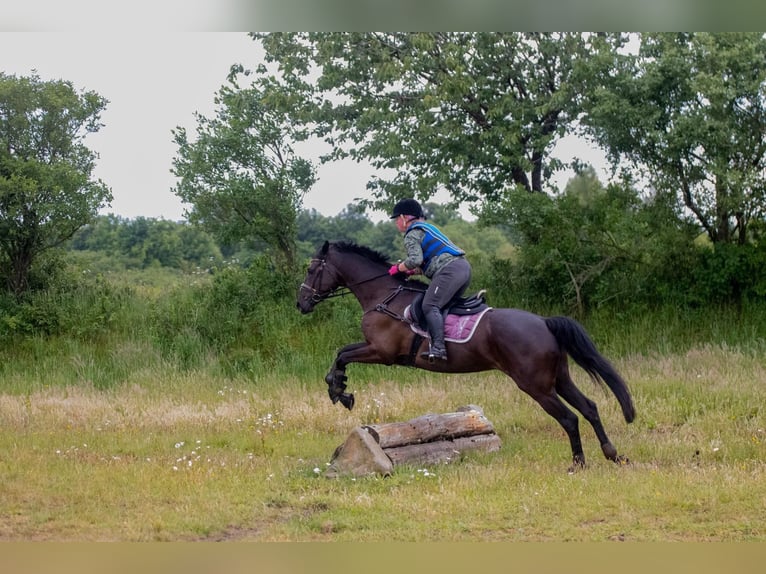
<point x="154" y="82"/>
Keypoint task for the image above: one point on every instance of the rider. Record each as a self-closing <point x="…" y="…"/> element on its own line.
<point x="429" y="250"/>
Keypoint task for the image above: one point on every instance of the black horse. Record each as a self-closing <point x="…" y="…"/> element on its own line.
<point x="530" y="349"/>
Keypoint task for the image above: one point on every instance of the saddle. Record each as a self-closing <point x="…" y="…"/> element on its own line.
<point x="460" y="306"/>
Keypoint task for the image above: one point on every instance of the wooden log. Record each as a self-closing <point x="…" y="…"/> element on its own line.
<point x="429" y="439"/>
<point x="431" y="427"/>
<point x="442" y="451"/>
<point x="360" y="455"/>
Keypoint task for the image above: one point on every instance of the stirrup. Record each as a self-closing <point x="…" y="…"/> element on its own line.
<point x="433" y="354"/>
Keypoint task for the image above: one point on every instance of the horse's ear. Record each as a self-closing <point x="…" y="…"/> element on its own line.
<point x="325" y="247"/>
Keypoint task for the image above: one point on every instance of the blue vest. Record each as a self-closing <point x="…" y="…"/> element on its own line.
<point x="434" y="243"/>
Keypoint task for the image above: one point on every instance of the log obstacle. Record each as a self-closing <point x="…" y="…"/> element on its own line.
<point x="429" y="439"/>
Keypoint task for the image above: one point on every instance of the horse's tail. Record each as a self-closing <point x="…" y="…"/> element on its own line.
<point x="573" y="338"/>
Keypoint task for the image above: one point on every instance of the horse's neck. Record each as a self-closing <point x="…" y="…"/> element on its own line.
<point x="369" y="283"/>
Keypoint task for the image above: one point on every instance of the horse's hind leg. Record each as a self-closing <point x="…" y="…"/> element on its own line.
<point x="553" y="405"/>
<point x="566" y="388"/>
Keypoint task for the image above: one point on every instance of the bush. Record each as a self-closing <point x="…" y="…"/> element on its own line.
<point x="80" y="307"/>
<point x="239" y="309"/>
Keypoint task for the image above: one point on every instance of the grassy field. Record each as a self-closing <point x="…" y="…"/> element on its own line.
<point x="189" y="456"/>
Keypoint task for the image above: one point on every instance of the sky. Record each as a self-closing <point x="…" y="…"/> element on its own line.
<point x="155" y="81"/>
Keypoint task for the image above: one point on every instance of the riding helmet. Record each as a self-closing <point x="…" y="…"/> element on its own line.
<point x="407" y="207"/>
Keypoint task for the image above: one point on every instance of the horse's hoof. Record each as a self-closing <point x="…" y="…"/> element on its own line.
<point x="622" y="460"/>
<point x="609" y="451"/>
<point x="578" y="463"/>
<point x="347" y="400"/>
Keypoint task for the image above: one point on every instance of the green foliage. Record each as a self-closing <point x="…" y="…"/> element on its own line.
<point x="46" y="190"/>
<point x="688" y="111"/>
<point x="240" y="174"/>
<point x="721" y="275"/>
<point x="79" y="307"/>
<point x="595" y="247"/>
<point x="145" y="242"/>
<point x="472" y="113"/>
<point x="236" y="316"/>
<point x="591" y="246"/>
<point x="349" y="225"/>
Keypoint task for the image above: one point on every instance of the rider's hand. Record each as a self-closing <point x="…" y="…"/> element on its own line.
<point x="394" y="269"/>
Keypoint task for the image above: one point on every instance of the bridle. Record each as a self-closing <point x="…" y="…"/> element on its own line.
<point x="317" y="296"/>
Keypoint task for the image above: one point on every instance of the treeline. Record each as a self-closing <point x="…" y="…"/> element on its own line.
<point x="173" y="292"/>
<point x="605" y="247"/>
<point x="112" y="243"/>
<point x="589" y="247"/>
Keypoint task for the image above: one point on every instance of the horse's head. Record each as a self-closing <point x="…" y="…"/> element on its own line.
<point x="320" y="282"/>
<point x="337" y="265"/>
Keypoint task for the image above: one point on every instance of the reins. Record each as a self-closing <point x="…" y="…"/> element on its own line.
<point x="383" y="306"/>
<point x="318" y="296"/>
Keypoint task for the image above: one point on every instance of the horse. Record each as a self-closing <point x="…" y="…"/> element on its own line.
<point x="532" y="350"/>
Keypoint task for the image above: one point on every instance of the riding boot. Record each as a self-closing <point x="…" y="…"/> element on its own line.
<point x="435" y="322"/>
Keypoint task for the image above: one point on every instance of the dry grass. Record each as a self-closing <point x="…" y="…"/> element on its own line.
<point x="197" y="458"/>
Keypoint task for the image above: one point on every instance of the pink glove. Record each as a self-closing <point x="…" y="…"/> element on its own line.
<point x="394" y="269"/>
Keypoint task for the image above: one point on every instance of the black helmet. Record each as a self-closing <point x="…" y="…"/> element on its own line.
<point x="407" y="207"/>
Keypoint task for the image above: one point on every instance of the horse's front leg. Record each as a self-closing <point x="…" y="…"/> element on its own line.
<point x="336" y="378"/>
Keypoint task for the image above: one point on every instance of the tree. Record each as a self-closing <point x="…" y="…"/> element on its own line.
<point x="688" y="113"/>
<point x="240" y="175"/>
<point x="46" y="190"/>
<point x="476" y="114"/>
<point x="143" y="242"/>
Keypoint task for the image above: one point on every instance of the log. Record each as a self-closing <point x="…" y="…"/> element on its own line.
<point x="429" y="439"/>
<point x="429" y="428"/>
<point x="443" y="451"/>
<point x="360" y="455"/>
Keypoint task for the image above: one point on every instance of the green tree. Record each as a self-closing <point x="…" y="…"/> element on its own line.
<point x="46" y="188"/>
<point x="197" y="248"/>
<point x="476" y="114"/>
<point x="143" y="242"/>
<point x="101" y="234"/>
<point x="687" y="112"/>
<point x="592" y="245"/>
<point x="240" y="175"/>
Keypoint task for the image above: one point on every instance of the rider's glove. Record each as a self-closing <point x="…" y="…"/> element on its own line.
<point x="394" y="269"/>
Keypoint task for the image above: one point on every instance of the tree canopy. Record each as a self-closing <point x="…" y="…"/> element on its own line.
<point x="240" y="175"/>
<point x="475" y="114"/>
<point x="46" y="187"/>
<point x="688" y="112"/>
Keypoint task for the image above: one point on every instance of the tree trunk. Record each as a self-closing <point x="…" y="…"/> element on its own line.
<point x="18" y="278"/>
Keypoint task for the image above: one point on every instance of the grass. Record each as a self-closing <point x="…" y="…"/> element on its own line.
<point x="176" y="414"/>
<point x="184" y="456"/>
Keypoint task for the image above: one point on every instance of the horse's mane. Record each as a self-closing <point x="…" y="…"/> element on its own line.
<point x="371" y="254"/>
